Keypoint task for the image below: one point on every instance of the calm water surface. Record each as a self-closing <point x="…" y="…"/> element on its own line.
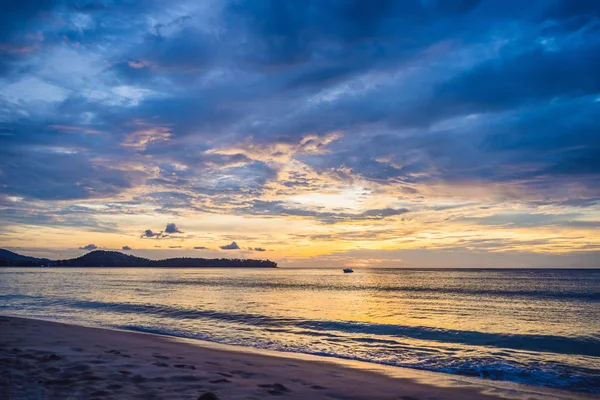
<point x="539" y="327"/>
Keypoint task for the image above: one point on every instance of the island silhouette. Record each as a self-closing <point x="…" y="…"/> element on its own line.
<point x="115" y="259"/>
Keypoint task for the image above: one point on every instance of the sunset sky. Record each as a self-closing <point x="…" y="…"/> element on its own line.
<point x="417" y="133"/>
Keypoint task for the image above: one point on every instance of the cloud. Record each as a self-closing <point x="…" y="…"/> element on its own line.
<point x="232" y="246"/>
<point x="148" y="233"/>
<point x="260" y="207"/>
<point x="172" y="228"/>
<point x="89" y="247"/>
<point x="174" y="247"/>
<point x="126" y="248"/>
<point x="533" y="220"/>
<point x="427" y="104"/>
<point x="525" y="78"/>
<point x="200" y="248"/>
<point x="71" y="175"/>
<point x="256" y="249"/>
<point x="287" y="35"/>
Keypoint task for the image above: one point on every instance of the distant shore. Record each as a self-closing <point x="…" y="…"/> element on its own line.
<point x="117" y="267"/>
<point x="115" y="259"/>
<point x="40" y="359"/>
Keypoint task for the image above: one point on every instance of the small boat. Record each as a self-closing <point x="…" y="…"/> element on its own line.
<point x="348" y="270"/>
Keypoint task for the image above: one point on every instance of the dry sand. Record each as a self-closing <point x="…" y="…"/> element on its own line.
<point x="49" y="360"/>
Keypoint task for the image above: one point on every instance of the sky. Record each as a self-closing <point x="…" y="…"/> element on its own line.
<point x="416" y="133"/>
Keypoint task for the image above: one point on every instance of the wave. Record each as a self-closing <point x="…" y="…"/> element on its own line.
<point x="547" y="343"/>
<point x="553" y="375"/>
<point x="587" y="346"/>
<point x="434" y="291"/>
<point x="549" y="360"/>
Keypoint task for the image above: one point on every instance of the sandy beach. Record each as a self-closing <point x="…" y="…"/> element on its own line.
<point x="49" y="360"/>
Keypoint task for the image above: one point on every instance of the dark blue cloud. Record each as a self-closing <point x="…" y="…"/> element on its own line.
<point x="532" y="146"/>
<point x="539" y="75"/>
<point x="148" y="233"/>
<point x="231" y="246"/>
<point x="16" y="16"/>
<point x="172" y="228"/>
<point x="291" y="33"/>
<point x="55" y="173"/>
<point x="422" y="91"/>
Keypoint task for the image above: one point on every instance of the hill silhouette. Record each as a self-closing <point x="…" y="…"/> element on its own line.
<point x="8" y="257"/>
<point x="115" y="259"/>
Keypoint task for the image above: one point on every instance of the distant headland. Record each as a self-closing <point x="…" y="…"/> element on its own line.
<point x="115" y="259"/>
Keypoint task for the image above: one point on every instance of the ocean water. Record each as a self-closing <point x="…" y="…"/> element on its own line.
<point x="539" y="327"/>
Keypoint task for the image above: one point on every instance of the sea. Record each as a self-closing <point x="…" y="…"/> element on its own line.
<point x="533" y="326"/>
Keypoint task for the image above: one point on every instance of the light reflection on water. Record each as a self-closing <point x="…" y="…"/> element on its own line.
<point x="533" y="326"/>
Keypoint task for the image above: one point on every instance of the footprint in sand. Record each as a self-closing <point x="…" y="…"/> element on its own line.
<point x="276" y="389"/>
<point x="91" y="378"/>
<point x="59" y="382"/>
<point x="184" y="366"/>
<point x="208" y="396"/>
<point x="243" y="374"/>
<point x="50" y="357"/>
<point x="221" y="380"/>
<point x="184" y="378"/>
<point x="118" y="353"/>
<point x="160" y="364"/>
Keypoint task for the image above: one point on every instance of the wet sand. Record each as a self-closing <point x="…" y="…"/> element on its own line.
<point x="49" y="360"/>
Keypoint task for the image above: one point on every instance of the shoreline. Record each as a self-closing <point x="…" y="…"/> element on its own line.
<point x="44" y="359"/>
